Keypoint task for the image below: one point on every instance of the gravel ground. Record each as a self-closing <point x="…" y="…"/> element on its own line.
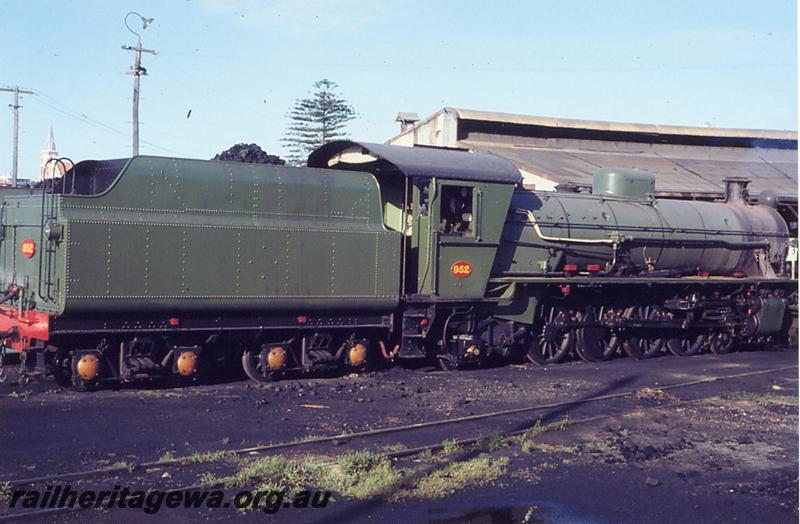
<point x="719" y="451"/>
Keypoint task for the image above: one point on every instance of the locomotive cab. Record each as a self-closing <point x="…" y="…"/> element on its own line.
<point x="449" y="203"/>
<point x="457" y="235"/>
<point x="453" y="207"/>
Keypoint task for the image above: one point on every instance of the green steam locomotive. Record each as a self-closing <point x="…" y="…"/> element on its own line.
<point x="150" y="267"/>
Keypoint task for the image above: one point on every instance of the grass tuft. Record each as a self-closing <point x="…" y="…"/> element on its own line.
<point x="527" y="439"/>
<point x="130" y="466"/>
<point x="20" y="394"/>
<point x="494" y="442"/>
<point x="451" y="447"/>
<point x="209" y="456"/>
<point x="209" y="479"/>
<point x="456" y="476"/>
<point x="360" y="475"/>
<point x="763" y="399"/>
<point x="5" y="491"/>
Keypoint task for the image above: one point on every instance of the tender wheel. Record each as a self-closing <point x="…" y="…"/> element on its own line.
<point x="62" y="369"/>
<point x="83" y="385"/>
<point x="721" y="343"/>
<point x="638" y="347"/>
<point x="62" y="372"/>
<point x="3" y="376"/>
<point x="24" y="380"/>
<point x="555" y="341"/>
<point x="87" y="368"/>
<point x="358" y="355"/>
<point x="265" y="364"/>
<point x="187" y="367"/>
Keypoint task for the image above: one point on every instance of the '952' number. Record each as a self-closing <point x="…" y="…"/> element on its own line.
<point x="461" y="269"/>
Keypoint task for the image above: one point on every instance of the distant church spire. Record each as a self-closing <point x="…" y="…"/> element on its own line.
<point x="49" y="152"/>
<point x="51" y="142"/>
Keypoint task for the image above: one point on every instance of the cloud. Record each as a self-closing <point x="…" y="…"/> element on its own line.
<point x="299" y="17"/>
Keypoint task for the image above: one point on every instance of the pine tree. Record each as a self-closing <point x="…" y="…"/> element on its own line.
<point x="316" y="121"/>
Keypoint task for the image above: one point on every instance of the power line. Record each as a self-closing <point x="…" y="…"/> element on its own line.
<point x="81" y="118"/>
<point x="249" y="59"/>
<point x="74" y="114"/>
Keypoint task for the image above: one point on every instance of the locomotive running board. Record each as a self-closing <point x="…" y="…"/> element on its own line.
<point x="186" y="322"/>
<point x="638" y="280"/>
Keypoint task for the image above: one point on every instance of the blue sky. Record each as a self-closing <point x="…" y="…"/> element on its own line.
<point x="240" y="64"/>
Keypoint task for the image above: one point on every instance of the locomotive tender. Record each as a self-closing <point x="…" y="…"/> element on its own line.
<point x="150" y="267"/>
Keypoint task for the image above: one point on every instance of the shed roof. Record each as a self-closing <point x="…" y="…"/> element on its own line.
<point x="687" y="161"/>
<point x="749" y="136"/>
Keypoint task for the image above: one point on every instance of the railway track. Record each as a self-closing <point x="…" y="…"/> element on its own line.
<point x="362" y="438"/>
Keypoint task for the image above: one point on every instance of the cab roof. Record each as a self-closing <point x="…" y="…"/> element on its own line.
<point x="418" y="161"/>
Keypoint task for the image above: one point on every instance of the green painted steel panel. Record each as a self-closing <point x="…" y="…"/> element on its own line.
<point x="438" y="252"/>
<point x="195" y="235"/>
<point x="771" y="316"/>
<point x="623" y="183"/>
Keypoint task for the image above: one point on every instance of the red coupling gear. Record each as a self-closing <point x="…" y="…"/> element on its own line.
<point x="25" y="328"/>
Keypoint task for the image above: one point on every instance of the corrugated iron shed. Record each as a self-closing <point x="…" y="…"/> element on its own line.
<point x="687" y="161"/>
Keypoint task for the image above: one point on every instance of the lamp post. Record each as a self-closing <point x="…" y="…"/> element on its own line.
<point x="137" y="71"/>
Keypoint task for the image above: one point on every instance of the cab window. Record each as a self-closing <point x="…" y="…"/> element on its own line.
<point x="456" y="211"/>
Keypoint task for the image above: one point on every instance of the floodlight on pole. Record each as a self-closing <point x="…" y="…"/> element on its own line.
<point x="137" y="71"/>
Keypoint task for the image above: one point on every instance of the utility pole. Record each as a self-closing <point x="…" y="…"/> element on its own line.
<point x="137" y="71"/>
<point x="15" y="107"/>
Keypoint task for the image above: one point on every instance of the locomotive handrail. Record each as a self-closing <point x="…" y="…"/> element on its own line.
<point x="540" y="234"/>
<point x="74" y="174"/>
<point x="756" y="244"/>
<point x="669" y="229"/>
<point x="432" y="199"/>
<point x="478" y="214"/>
<point x="697" y="242"/>
<point x="48" y="214"/>
<point x="2" y="222"/>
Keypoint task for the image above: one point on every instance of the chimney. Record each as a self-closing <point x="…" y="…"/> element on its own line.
<point x="407" y="120"/>
<point x="736" y="190"/>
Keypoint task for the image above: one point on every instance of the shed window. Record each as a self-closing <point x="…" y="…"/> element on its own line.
<point x="456" y="211"/>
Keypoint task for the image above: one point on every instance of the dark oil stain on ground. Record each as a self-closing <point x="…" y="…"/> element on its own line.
<point x="494" y="512"/>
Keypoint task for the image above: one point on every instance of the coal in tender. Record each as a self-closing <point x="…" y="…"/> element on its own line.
<point x="250" y="154"/>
